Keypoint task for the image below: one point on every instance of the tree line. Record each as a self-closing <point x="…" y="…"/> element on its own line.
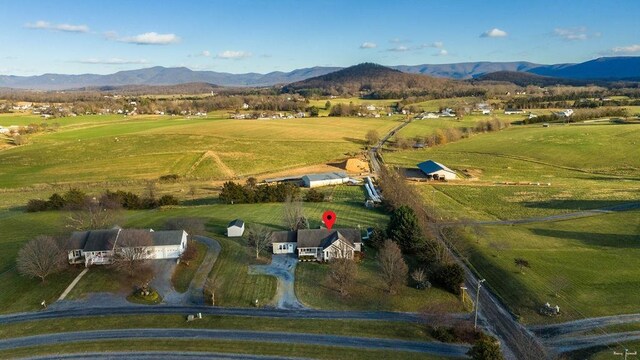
<point x="252" y="192"/>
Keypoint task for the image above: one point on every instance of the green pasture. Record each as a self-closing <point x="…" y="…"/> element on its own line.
<point x="587" y="266"/>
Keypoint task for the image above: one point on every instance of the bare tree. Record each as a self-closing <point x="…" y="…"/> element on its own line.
<point x="131" y="251"/>
<point x="93" y="215"/>
<point x="294" y="218"/>
<point x="372" y="137"/>
<point x="259" y="238"/>
<point x="342" y="272"/>
<point x="210" y="289"/>
<point x="40" y="258"/>
<point x="394" y="269"/>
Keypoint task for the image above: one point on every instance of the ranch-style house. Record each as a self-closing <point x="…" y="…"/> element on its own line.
<point x="317" y="244"/>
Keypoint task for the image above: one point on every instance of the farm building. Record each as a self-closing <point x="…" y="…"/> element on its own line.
<point x="355" y="165"/>
<point x="235" y="228"/>
<point x="511" y="111"/>
<point x="436" y="170"/>
<point x="97" y="247"/>
<point x="325" y="179"/>
<point x="318" y="244"/>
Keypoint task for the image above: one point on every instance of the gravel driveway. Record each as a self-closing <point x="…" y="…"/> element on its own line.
<point x="283" y="267"/>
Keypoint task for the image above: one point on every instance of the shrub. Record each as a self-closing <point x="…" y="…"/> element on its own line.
<point x="169" y="178"/>
<point x="314" y="195"/>
<point x="450" y="276"/>
<point x="35" y="205"/>
<point x="167" y="200"/>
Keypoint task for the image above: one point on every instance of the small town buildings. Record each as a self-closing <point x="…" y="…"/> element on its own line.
<point x="97" y="247"/>
<point x="317" y="244"/>
<point x="325" y="179"/>
<point x="435" y="170"/>
<point x="235" y="228"/>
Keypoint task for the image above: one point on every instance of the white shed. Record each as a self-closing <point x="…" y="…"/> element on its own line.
<point x="235" y="228"/>
<point x="317" y="180"/>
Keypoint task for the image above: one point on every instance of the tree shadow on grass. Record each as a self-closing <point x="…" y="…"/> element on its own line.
<point x="593" y="239"/>
<point x="201" y="201"/>
<point x="579" y="205"/>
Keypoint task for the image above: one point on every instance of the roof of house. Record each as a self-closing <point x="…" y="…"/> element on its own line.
<point x="77" y="240"/>
<point x="326" y="176"/>
<point x="237" y="222"/>
<point x="430" y="166"/>
<point x="321" y="238"/>
<point x="169" y="237"/>
<point x="101" y="240"/>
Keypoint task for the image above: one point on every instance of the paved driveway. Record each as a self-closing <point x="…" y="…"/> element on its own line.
<point x="283" y="267"/>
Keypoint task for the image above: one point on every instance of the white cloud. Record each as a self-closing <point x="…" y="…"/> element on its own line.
<point x="368" y="45"/>
<point x="631" y="49"/>
<point x="112" y="61"/>
<point x="205" y="53"/>
<point x="442" y="52"/>
<point x="435" y="45"/>
<point x="234" y="55"/>
<point x="572" y="34"/>
<point x="494" y="33"/>
<point x="150" y="38"/>
<point x="45" y="25"/>
<point x="399" y="48"/>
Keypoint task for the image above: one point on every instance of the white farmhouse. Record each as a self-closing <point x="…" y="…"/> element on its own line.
<point x="318" y="244"/>
<point x="235" y="228"/>
<point x="325" y="179"/>
<point x="97" y="247"/>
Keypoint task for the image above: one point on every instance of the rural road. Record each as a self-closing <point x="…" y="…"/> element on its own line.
<point x="283" y="268"/>
<point x="373" y="152"/>
<point x="567" y="344"/>
<point x="577" y="326"/>
<point x="86" y="311"/>
<point x="434" y="348"/>
<point x="153" y="355"/>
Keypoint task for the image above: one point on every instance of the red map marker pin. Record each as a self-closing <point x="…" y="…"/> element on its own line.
<point x="329" y="218"/>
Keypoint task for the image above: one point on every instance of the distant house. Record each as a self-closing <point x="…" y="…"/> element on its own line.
<point x="436" y="171"/>
<point x="317" y="244"/>
<point x="235" y="228"/>
<point x="430" y="116"/>
<point x="565" y="113"/>
<point x="486" y="111"/>
<point x="325" y="179"/>
<point x="512" y="111"/>
<point x="97" y="247"/>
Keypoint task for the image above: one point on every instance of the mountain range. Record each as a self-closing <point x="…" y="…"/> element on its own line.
<point x="607" y="68"/>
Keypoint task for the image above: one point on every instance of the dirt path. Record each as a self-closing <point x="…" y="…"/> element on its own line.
<point x="228" y="173"/>
<point x="283" y="267"/>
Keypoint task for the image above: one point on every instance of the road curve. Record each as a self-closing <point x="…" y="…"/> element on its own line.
<point x="153" y="355"/>
<point x="576" y="326"/>
<point x="434" y="348"/>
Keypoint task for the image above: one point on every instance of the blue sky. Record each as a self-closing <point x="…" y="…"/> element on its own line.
<point x="102" y="37"/>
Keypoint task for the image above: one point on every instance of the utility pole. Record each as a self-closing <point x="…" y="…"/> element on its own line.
<point x="626" y="353"/>
<point x="475" y="322"/>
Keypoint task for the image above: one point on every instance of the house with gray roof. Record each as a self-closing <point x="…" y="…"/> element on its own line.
<point x="435" y="170"/>
<point x="97" y="247"/>
<point x="317" y="244"/>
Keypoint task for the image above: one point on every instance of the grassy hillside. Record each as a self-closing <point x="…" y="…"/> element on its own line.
<point x="206" y="149"/>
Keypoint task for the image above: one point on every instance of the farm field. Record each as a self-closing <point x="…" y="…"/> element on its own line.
<point x="567" y="259"/>
<point x="142" y="148"/>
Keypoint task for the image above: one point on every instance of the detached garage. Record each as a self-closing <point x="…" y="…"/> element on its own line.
<point x="326" y="179"/>
<point x="435" y="170"/>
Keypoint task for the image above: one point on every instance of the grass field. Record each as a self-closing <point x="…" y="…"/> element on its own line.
<point x="204" y="148"/>
<point x="314" y="288"/>
<point x="184" y="273"/>
<point x="237" y="347"/>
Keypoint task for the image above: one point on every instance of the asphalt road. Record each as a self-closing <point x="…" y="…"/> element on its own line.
<point x="153" y="355"/>
<point x="434" y="348"/>
<point x="578" y="326"/>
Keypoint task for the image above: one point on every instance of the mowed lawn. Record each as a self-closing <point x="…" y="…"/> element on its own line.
<point x="101" y="149"/>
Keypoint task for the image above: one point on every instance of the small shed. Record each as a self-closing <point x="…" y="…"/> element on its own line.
<point x="437" y="171"/>
<point x="317" y="180"/>
<point x="235" y="228"/>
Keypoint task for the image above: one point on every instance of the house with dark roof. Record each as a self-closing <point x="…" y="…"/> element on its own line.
<point x="435" y="170"/>
<point x="235" y="228"/>
<point x="317" y="244"/>
<point x="97" y="247"/>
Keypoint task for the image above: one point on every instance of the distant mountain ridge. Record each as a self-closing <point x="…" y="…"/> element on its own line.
<point x="607" y="68"/>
